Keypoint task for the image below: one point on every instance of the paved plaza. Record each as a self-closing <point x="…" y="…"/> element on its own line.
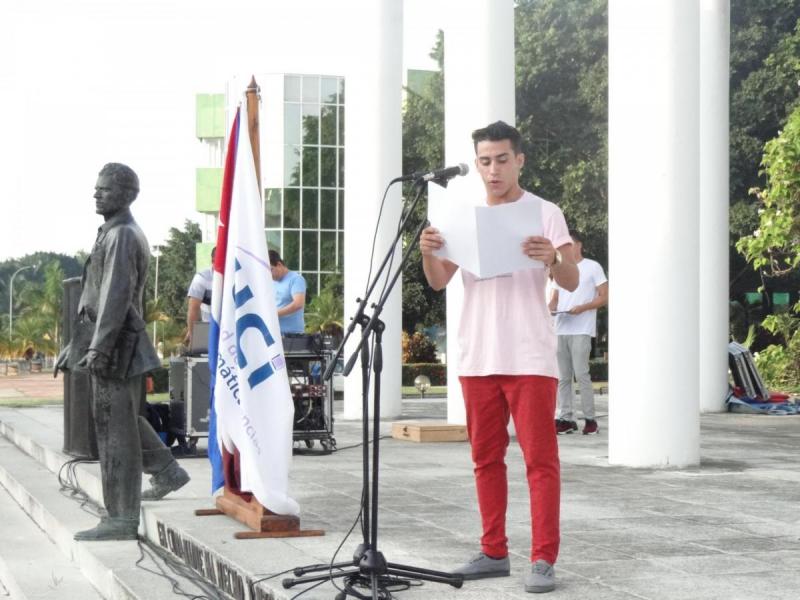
<point x="728" y="529"/>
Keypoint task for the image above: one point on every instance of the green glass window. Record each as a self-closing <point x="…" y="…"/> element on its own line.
<point x="327" y="210"/>
<point x="291" y="165"/>
<point x="274" y="240"/>
<point x="327" y="167"/>
<point x="340" y="255"/>
<point x="327" y="251"/>
<point x="291" y="88"/>
<point x="341" y="168"/>
<point x="341" y="125"/>
<point x="292" y="124"/>
<point x="341" y="209"/>
<point x="309" y="262"/>
<point x="310" y="88"/>
<point x="291" y="208"/>
<point x="291" y="249"/>
<point x="328" y="126"/>
<point x="310" y="209"/>
<point x="753" y="297"/>
<point x="341" y="90"/>
<point x="310" y="123"/>
<point x="310" y="166"/>
<point x="272" y="208"/>
<point x="328" y="89"/>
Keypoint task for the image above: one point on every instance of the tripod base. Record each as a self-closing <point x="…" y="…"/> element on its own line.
<point x="374" y="573"/>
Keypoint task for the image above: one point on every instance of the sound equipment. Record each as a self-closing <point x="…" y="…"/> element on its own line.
<point x="307" y="357"/>
<point x="745" y="374"/>
<point x="198" y="346"/>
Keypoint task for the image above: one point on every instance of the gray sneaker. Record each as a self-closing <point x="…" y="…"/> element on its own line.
<point x="542" y="578"/>
<point x="481" y="566"/>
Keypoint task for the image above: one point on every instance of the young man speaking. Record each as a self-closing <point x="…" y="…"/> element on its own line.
<point x="507" y="365"/>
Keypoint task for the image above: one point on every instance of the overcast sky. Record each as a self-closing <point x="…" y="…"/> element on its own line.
<point x="87" y="82"/>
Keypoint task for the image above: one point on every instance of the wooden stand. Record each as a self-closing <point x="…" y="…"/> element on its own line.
<point x="263" y="522"/>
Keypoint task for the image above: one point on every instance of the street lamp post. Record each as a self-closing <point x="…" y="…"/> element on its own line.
<point x="11" y="300"/>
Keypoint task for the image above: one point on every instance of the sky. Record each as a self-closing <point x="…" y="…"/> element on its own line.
<point x="87" y="82"/>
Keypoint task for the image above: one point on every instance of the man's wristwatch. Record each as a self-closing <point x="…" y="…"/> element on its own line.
<point x="556" y="259"/>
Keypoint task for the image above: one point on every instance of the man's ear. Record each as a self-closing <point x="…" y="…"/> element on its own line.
<point x="520" y="159"/>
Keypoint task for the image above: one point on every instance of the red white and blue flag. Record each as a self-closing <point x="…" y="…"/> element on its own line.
<point x="251" y="404"/>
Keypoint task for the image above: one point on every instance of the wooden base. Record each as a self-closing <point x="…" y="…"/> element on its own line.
<point x="428" y="431"/>
<point x="263" y="522"/>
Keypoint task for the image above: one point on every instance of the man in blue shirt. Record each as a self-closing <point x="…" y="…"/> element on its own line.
<point x="290" y="295"/>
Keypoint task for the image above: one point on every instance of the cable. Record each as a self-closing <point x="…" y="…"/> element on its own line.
<point x="359" y="444"/>
<point x="69" y="486"/>
<point x="178" y="569"/>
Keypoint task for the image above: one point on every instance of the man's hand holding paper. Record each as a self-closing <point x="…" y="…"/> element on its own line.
<point x="485" y="240"/>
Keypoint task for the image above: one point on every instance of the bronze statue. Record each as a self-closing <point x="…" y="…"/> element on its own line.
<point x="109" y="341"/>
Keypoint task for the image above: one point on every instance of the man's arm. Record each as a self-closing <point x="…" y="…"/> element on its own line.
<point x="298" y="302"/>
<point x="438" y="271"/>
<point x="192" y="316"/>
<point x="601" y="299"/>
<point x="553" y="304"/>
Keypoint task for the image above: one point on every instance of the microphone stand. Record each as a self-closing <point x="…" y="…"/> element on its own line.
<point x="369" y="568"/>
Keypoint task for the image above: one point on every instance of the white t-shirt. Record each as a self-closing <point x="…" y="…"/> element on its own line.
<point x="505" y="327"/>
<point x="591" y="277"/>
<point x="200" y="288"/>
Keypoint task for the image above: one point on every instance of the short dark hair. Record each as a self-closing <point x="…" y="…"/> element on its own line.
<point x="498" y="131"/>
<point x="123" y="176"/>
<point x="576" y="235"/>
<point x="275" y="258"/>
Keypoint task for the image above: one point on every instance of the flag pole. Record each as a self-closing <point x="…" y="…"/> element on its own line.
<point x="253" y="99"/>
<point x="243" y="506"/>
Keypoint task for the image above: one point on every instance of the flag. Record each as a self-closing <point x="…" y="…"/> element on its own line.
<point x="251" y="404"/>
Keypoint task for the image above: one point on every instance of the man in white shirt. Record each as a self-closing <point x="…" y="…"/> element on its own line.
<point x="576" y="325"/>
<point x="199" y="296"/>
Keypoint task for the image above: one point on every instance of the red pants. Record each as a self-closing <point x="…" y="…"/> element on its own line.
<point x="530" y="399"/>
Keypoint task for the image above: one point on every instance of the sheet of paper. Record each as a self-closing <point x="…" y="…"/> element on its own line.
<point x="501" y="230"/>
<point x="484" y="240"/>
<point x="455" y="220"/>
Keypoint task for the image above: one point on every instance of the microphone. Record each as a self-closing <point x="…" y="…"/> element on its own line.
<point x="442" y="175"/>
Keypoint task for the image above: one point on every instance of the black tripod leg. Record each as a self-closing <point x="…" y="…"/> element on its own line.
<point x="291" y="582"/>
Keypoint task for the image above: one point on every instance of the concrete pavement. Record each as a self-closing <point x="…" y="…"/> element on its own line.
<point x="726" y="529"/>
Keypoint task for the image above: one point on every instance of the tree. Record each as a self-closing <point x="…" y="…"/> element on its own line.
<point x="423" y="148"/>
<point x="774" y="247"/>
<point x="176" y="267"/>
<point x="562" y="110"/>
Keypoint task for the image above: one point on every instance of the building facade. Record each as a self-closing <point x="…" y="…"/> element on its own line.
<point x="302" y="167"/>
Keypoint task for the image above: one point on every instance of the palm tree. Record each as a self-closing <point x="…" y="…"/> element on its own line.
<point x="324" y="314"/>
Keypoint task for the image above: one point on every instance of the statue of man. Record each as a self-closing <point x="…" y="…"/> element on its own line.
<point x="110" y="342"/>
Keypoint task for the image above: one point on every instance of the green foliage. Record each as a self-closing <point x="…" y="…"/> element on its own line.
<point x="777" y="368"/>
<point x="176" y="267"/>
<point x="562" y="110"/>
<point x="436" y="372"/>
<point x="423" y="148"/>
<point x="418" y="348"/>
<point x="774" y="248"/>
<point x="325" y="312"/>
<point x="775" y="244"/>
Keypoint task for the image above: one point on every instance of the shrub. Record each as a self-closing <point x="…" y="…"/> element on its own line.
<point x="598" y="369"/>
<point x="418" y="348"/>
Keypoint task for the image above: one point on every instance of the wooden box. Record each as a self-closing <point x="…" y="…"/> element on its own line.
<point x="428" y="431"/>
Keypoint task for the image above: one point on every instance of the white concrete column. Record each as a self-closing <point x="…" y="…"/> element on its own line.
<point x="479" y="89"/>
<point x="373" y="138"/>
<point x="714" y="176"/>
<point x="653" y="232"/>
